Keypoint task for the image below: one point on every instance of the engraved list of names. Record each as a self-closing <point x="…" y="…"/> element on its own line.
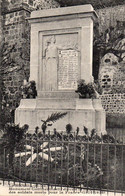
<point x="67" y="69"/>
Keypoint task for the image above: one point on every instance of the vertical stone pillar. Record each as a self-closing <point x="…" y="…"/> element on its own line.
<point x="34" y="55"/>
<point x="87" y="50"/>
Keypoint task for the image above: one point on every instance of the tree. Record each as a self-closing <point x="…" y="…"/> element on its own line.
<point x="109" y="41"/>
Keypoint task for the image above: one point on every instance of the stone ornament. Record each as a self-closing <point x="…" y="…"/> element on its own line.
<point x="109" y="59"/>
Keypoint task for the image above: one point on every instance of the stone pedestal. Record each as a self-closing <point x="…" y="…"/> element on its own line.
<point x="61" y="54"/>
<point x="80" y="112"/>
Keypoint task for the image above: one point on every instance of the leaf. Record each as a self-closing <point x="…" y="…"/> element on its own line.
<point x="85" y="130"/>
<point x="49" y="125"/>
<point x="56" y="116"/>
<point x="43" y="121"/>
<point x="93" y="132"/>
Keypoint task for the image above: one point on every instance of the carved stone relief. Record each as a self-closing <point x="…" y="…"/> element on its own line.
<point x="60" y="62"/>
<point x="68" y="69"/>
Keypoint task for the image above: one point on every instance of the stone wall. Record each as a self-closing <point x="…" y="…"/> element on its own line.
<point x="112" y="81"/>
<point x="9" y="5"/>
<point x="112" y="78"/>
<point x="112" y="62"/>
<point x="114" y="103"/>
<point x="16" y="33"/>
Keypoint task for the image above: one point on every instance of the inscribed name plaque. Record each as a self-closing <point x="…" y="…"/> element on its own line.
<point x="67" y="69"/>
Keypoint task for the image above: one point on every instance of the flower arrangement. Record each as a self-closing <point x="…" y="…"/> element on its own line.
<point x="40" y="151"/>
<point x="86" y="90"/>
<point x="29" y="90"/>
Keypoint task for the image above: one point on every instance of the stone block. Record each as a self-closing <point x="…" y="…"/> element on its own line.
<point x="84" y="112"/>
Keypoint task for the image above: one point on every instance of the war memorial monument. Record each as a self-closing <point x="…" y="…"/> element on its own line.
<point x="61" y="54"/>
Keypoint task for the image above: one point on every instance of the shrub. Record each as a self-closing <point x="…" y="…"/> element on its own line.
<point x="29" y="90"/>
<point x="86" y="90"/>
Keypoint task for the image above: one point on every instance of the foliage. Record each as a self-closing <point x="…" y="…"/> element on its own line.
<point x="14" y="59"/>
<point x="115" y="120"/>
<point x="95" y="4"/>
<point x="8" y="67"/>
<point x="29" y="90"/>
<point x="97" y="87"/>
<point x="86" y="90"/>
<point x="51" y="119"/>
<point x="8" y="104"/>
<point x="6" y="116"/>
<point x="108" y="41"/>
<point x="55" y="116"/>
<point x="13" y="135"/>
<point x="6" y="61"/>
<point x="68" y="128"/>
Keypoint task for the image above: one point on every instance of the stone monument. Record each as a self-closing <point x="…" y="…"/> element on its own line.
<point x="61" y="54"/>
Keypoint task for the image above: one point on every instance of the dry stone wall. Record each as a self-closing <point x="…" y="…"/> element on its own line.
<point x="112" y="81"/>
<point x="114" y="103"/>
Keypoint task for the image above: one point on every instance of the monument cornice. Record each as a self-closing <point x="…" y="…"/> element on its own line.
<point x="63" y="14"/>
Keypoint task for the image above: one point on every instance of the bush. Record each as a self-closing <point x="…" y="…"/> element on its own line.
<point x="29" y="90"/>
<point x="86" y="90"/>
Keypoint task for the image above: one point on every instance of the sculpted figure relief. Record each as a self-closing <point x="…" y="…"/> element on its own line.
<point x="50" y="58"/>
<point x="51" y="61"/>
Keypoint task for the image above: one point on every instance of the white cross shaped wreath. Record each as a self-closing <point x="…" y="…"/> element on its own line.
<point x="42" y="153"/>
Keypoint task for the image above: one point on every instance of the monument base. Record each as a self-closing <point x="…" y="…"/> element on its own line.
<point x="80" y="112"/>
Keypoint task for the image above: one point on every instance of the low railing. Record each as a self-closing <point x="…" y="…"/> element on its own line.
<point x="66" y="161"/>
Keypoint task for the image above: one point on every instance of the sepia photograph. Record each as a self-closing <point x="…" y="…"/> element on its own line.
<point x="62" y="97"/>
